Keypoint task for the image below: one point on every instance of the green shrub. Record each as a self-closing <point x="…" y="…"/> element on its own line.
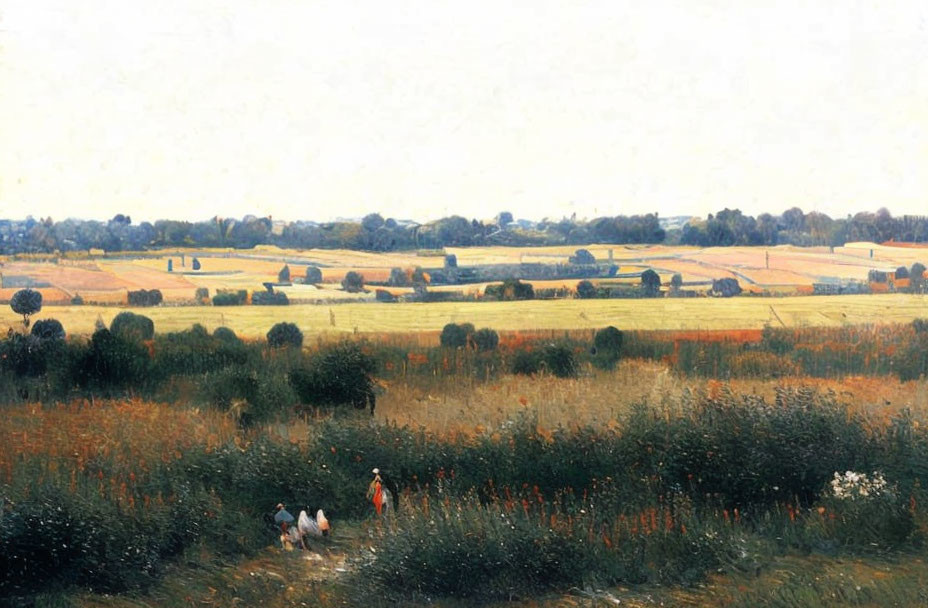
<point x="131" y="326"/>
<point x="114" y="361"/>
<point x="864" y="512"/>
<point x="525" y="363"/>
<point x="230" y="298"/>
<point x="485" y="339"/>
<point x="48" y="329"/>
<point x="284" y="335"/>
<point x="313" y="275"/>
<point x="454" y="335"/>
<point x="650" y="283"/>
<point x="145" y="297"/>
<point x="195" y="351"/>
<point x="586" y="290"/>
<point x="607" y="347"/>
<point x="24" y="355"/>
<point x="338" y="374"/>
<point x="253" y="397"/>
<point x="269" y="298"/>
<point x="559" y="360"/>
<point x="353" y="282"/>
<point x="510" y="289"/>
<point x="224" y="334"/>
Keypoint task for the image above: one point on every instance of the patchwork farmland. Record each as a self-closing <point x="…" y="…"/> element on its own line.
<point x="83" y="290"/>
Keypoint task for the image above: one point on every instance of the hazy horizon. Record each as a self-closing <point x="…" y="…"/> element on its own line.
<point x="317" y="110"/>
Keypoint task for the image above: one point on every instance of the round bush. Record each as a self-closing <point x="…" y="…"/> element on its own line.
<point x="48" y="329"/>
<point x="586" y="290"/>
<point x="285" y="334"/>
<point x="131" y="326"/>
<point x="454" y="335"/>
<point x="486" y="339"/>
<point x="225" y="334"/>
<point x="313" y="275"/>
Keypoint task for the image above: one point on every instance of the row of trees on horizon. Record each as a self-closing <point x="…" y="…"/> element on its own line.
<point x="725" y="228"/>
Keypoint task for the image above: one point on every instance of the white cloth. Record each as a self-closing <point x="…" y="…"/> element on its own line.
<point x="312" y="527"/>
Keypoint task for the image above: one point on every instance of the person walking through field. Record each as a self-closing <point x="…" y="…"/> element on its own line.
<point x="383" y="493"/>
<point x="375" y="492"/>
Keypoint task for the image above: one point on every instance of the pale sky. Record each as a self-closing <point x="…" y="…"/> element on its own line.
<point x="312" y="110"/>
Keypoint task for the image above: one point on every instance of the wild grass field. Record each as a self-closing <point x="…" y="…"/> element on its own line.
<point x="134" y="466"/>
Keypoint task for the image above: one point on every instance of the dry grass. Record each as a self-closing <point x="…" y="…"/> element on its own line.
<point x="136" y="434"/>
<point x="603" y="399"/>
<point x="469" y="406"/>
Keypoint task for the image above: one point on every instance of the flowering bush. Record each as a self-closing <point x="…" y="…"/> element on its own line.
<point x="858" y="486"/>
<point x="863" y="511"/>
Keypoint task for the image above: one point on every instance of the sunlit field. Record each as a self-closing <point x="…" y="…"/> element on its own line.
<point x="661" y="313"/>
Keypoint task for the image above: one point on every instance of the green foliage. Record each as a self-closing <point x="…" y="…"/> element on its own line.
<point x="225" y="334"/>
<point x="269" y="298"/>
<point x="196" y="264"/>
<point x="26" y="302"/>
<point x="131" y="326"/>
<point x="24" y="355"/>
<point x="48" y="329"/>
<point x="485" y="339"/>
<point x="353" y="282"/>
<point x="285" y="335"/>
<point x="559" y="360"/>
<point x="582" y="256"/>
<point x="313" y="275"/>
<point x="145" y="297"/>
<point x="253" y="396"/>
<point x="455" y="335"/>
<point x="230" y="298"/>
<point x="725" y="288"/>
<point x="510" y="289"/>
<point x="607" y="347"/>
<point x="586" y="290"/>
<point x="284" y="275"/>
<point x="338" y="374"/>
<point x="525" y="363"/>
<point x="53" y="537"/>
<point x="194" y="351"/>
<point x="650" y="283"/>
<point x="464" y="549"/>
<point x="114" y="360"/>
<point x="398" y="278"/>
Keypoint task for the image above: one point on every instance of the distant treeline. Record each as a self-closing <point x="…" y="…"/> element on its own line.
<point x="374" y="233"/>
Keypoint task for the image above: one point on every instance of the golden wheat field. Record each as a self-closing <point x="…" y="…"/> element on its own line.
<point x="660" y="313"/>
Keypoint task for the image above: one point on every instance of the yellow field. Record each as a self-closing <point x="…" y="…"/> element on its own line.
<point x="663" y="313"/>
